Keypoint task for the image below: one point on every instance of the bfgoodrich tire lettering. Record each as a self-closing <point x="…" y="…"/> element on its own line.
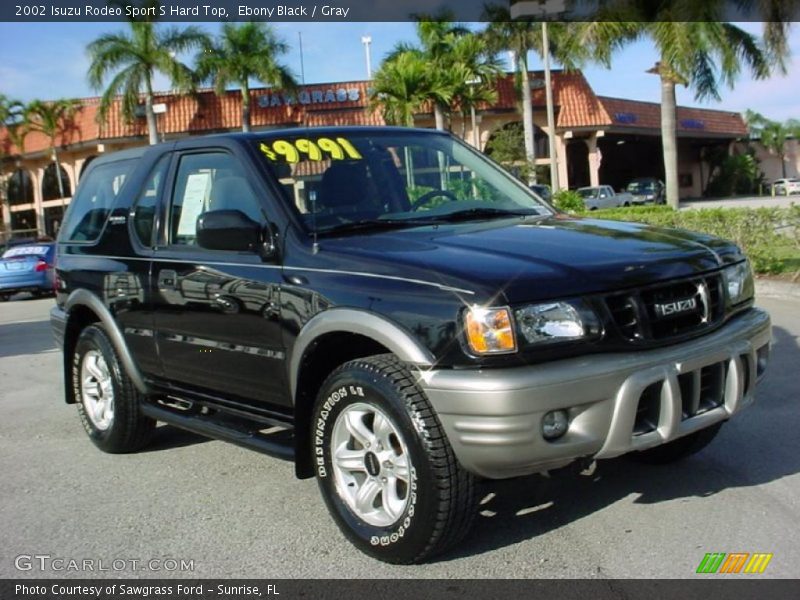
<point x="108" y="402"/>
<point x="435" y="506"/>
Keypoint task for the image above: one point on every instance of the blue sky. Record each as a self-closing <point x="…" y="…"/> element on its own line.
<point x="48" y="60"/>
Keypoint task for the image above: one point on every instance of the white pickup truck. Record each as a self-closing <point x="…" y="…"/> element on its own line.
<point x="604" y="196"/>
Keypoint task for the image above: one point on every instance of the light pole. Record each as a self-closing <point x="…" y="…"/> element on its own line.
<point x="367" y="40"/>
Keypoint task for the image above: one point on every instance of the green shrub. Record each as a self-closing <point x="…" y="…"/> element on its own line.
<point x="569" y="201"/>
<point x="755" y="230"/>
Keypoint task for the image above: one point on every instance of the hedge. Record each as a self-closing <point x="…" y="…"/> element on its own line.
<point x="769" y="236"/>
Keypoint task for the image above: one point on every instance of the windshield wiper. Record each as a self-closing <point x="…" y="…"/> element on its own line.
<point x="376" y="225"/>
<point x="482" y="213"/>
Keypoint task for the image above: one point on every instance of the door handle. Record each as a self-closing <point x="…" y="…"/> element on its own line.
<point x="167" y="279"/>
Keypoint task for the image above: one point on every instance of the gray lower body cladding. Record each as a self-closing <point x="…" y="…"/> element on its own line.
<point x="493" y="417"/>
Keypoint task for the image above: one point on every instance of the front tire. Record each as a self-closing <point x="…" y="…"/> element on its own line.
<point x="678" y="449"/>
<point x="384" y="466"/>
<point x="108" y="402"/>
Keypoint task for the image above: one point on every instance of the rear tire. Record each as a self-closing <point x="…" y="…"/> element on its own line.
<point x="395" y="489"/>
<point x="678" y="449"/>
<point x="108" y="402"/>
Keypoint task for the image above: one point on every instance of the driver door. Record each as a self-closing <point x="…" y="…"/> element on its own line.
<point x="217" y="312"/>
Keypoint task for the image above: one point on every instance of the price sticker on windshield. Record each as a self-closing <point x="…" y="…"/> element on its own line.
<point x="293" y="151"/>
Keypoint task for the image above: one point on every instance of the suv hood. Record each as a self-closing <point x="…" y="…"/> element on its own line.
<point x="533" y="258"/>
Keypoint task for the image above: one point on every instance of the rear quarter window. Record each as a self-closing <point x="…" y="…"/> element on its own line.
<point x="94" y="201"/>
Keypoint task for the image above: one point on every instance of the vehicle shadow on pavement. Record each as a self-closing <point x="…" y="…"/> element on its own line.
<point x="756" y="447"/>
<point x="167" y="437"/>
<point x="18" y="339"/>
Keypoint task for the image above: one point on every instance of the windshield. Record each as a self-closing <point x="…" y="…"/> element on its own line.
<point x="392" y="179"/>
<point x="587" y="192"/>
<point x="641" y="186"/>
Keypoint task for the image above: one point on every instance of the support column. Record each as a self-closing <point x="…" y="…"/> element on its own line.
<point x="5" y="213"/>
<point x="38" y="179"/>
<point x="594" y="160"/>
<point x="561" y="154"/>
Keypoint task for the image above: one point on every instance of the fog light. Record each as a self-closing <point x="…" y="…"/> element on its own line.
<point x="554" y="424"/>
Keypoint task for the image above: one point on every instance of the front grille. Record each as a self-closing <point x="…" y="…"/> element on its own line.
<point x="668" y="310"/>
<point x="704" y="390"/>
<point x="648" y="411"/>
<point x="701" y="391"/>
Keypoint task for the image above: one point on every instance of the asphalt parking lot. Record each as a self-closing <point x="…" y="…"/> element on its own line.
<point x="235" y="513"/>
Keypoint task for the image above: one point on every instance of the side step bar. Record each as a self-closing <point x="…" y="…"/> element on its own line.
<point x="254" y="440"/>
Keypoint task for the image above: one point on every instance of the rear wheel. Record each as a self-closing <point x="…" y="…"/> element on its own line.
<point x="384" y="466"/>
<point x="678" y="449"/>
<point x="5" y="297"/>
<point x="108" y="402"/>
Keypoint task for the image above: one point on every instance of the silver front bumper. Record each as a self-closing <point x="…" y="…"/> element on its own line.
<point x="493" y="417"/>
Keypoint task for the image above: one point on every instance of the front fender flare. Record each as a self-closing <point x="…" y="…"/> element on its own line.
<point x="96" y="305"/>
<point x="398" y="340"/>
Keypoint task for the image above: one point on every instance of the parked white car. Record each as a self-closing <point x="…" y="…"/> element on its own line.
<point x="786" y="186"/>
<point x="604" y="196"/>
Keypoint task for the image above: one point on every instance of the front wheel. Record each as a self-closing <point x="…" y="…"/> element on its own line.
<point x="108" y="402"/>
<point x="384" y="466"/>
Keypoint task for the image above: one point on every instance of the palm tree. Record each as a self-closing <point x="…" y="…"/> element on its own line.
<point x="50" y="119"/>
<point x="244" y="52"/>
<point x="402" y="85"/>
<point x="438" y="36"/>
<point x="521" y="38"/>
<point x="700" y="51"/>
<point x="11" y="117"/>
<point x="773" y="135"/>
<point x="133" y="58"/>
<point x="474" y="70"/>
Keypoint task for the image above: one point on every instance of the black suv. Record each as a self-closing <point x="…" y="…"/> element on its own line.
<point x="396" y="313"/>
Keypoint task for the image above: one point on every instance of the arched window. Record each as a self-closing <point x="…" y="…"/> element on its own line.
<point x="86" y="163"/>
<point x="50" y="189"/>
<point x="24" y="220"/>
<point x="20" y="188"/>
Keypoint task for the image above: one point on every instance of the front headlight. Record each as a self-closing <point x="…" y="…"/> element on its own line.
<point x="739" y="282"/>
<point x="489" y="330"/>
<point x="556" y="322"/>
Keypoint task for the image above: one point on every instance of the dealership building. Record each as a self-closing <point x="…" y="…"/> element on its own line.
<point x="598" y="140"/>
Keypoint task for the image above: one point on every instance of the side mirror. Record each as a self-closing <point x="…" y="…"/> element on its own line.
<point x="228" y="230"/>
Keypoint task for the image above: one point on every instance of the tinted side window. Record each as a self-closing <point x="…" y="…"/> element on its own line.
<point x="144" y="211"/>
<point x="94" y="201"/>
<point x="208" y="182"/>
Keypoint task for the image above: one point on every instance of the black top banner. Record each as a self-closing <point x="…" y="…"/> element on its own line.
<point x="66" y="11"/>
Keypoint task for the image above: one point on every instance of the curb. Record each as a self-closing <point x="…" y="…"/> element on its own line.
<point x="771" y="288"/>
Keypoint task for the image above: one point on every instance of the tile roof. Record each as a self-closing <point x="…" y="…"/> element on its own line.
<point x="647" y="115"/>
<point x="347" y="103"/>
